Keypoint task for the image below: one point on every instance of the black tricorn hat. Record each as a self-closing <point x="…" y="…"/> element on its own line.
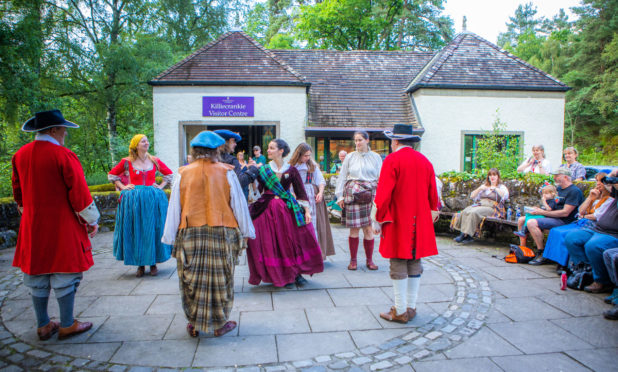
<point x="47" y="119"/>
<point x="402" y="132"/>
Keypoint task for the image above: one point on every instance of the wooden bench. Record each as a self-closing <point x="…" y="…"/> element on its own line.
<point x="490" y="224"/>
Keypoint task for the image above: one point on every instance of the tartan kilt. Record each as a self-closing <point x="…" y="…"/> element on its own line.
<point x="356" y="214"/>
<point x="206" y="257"/>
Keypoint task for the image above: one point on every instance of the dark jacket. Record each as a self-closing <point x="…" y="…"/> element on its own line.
<point x="246" y="176"/>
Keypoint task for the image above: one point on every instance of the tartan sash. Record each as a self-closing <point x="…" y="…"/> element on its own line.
<point x="272" y="183"/>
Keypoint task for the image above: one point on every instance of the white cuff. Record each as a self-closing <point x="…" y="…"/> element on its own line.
<point x="113" y="178"/>
<point x="90" y="214"/>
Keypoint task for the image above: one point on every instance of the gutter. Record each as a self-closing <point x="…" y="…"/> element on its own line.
<point x="228" y="83"/>
<point x="416" y="87"/>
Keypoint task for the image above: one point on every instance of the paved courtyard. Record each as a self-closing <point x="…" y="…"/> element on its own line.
<point x="475" y="312"/>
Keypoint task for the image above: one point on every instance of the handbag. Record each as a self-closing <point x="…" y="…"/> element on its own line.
<point x="581" y="277"/>
<point x="359" y="192"/>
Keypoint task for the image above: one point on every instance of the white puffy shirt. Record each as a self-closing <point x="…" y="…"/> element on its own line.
<point x="362" y="166"/>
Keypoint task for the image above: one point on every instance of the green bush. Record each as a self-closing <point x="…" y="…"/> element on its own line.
<point x="97" y="179"/>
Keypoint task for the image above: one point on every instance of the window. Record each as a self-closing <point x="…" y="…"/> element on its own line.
<point x="326" y="150"/>
<point x="470" y="141"/>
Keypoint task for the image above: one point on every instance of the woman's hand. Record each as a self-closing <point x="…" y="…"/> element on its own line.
<point x="128" y="187"/>
<point x="318" y="197"/>
<point x="340" y="204"/>
<point x="594" y="194"/>
<point x="308" y="217"/>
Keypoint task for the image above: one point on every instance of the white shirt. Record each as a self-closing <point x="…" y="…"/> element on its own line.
<point x="46" y="137"/>
<point x="362" y="166"/>
<point x="318" y="178"/>
<point x="544" y="163"/>
<point x="599" y="211"/>
<point x="237" y="202"/>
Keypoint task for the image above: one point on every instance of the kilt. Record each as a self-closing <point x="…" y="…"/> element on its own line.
<point x="206" y="257"/>
<point x="355" y="214"/>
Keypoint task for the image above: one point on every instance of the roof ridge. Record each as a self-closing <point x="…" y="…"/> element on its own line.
<point x="436" y="62"/>
<point x="273" y="56"/>
<point x="192" y="55"/>
<point x="220" y="39"/>
<point x="514" y="57"/>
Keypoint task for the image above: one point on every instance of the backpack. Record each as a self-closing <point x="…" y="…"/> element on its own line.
<point x="519" y="254"/>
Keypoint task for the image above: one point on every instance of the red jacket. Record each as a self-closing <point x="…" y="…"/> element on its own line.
<point x="405" y="197"/>
<point x="49" y="183"/>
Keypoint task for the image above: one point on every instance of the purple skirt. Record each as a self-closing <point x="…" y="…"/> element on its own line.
<point x="281" y="250"/>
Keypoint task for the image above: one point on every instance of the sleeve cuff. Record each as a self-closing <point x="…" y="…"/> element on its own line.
<point x="90" y="214"/>
<point x="113" y="178"/>
<point x="168" y="178"/>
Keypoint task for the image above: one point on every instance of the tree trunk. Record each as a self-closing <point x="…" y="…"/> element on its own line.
<point x="112" y="132"/>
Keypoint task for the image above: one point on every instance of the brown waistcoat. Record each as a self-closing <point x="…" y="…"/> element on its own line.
<point x="205" y="195"/>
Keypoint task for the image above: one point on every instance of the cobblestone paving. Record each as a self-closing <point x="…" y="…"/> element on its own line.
<point x="451" y="331"/>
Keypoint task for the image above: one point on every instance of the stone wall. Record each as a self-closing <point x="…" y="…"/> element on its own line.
<point x="455" y="193"/>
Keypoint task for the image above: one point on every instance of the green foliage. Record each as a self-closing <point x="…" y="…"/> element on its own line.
<point x="374" y="25"/>
<point x="497" y="150"/>
<point x="584" y="55"/>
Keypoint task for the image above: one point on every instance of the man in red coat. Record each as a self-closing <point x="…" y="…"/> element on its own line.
<point x="58" y="213"/>
<point x="406" y="206"/>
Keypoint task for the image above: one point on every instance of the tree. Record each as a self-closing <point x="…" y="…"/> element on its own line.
<point x="523" y="22"/>
<point x="497" y="150"/>
<point x="374" y="25"/>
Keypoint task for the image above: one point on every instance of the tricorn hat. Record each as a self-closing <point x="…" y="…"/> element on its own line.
<point x="208" y="139"/>
<point x="402" y="132"/>
<point x="47" y="119"/>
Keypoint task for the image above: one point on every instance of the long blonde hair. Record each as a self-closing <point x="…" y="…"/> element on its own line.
<point x="298" y="153"/>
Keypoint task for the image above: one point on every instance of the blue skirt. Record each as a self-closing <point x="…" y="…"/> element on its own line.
<point x="140" y="220"/>
<point x="555" y="249"/>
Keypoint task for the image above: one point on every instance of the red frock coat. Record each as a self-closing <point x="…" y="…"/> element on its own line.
<point x="138" y="177"/>
<point x="405" y="197"/>
<point x="48" y="182"/>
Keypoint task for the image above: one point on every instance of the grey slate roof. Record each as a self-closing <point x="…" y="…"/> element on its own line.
<point x="357" y="88"/>
<point x="471" y="62"/>
<point x="233" y="59"/>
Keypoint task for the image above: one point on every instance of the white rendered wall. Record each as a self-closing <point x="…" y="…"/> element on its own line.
<point x="286" y="106"/>
<point x="445" y="113"/>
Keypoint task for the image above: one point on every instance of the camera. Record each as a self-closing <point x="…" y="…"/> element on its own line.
<point x="609" y="180"/>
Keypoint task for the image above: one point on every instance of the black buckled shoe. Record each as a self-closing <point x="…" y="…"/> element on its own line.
<point x="540" y="260"/>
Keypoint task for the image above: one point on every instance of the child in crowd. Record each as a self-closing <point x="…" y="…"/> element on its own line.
<point x="548" y="203"/>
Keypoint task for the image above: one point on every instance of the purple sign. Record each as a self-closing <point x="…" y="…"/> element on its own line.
<point x="227" y="106"/>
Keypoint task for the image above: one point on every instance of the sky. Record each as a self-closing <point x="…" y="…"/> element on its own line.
<point x="488" y="18"/>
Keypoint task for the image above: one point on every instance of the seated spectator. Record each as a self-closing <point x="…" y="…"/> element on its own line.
<point x="595" y="204"/>
<point x="548" y="203"/>
<point x="337" y="165"/>
<point x="577" y="170"/>
<point x="610" y="257"/>
<point x="586" y="246"/>
<point x="568" y="200"/>
<point x="489" y="200"/>
<point x="537" y="163"/>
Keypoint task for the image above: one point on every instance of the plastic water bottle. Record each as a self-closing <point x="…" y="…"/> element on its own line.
<point x="509" y="213"/>
<point x="518" y="213"/>
<point x="563" y="281"/>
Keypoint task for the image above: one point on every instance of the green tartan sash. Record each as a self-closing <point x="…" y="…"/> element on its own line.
<point x="272" y="183"/>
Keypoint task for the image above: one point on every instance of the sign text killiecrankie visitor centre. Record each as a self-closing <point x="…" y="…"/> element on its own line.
<point x="227" y="106"/>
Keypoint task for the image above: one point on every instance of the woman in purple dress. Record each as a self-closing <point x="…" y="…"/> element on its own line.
<point x="285" y="245"/>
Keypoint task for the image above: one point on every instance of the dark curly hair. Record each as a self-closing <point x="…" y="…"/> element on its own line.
<point x="282" y="145"/>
